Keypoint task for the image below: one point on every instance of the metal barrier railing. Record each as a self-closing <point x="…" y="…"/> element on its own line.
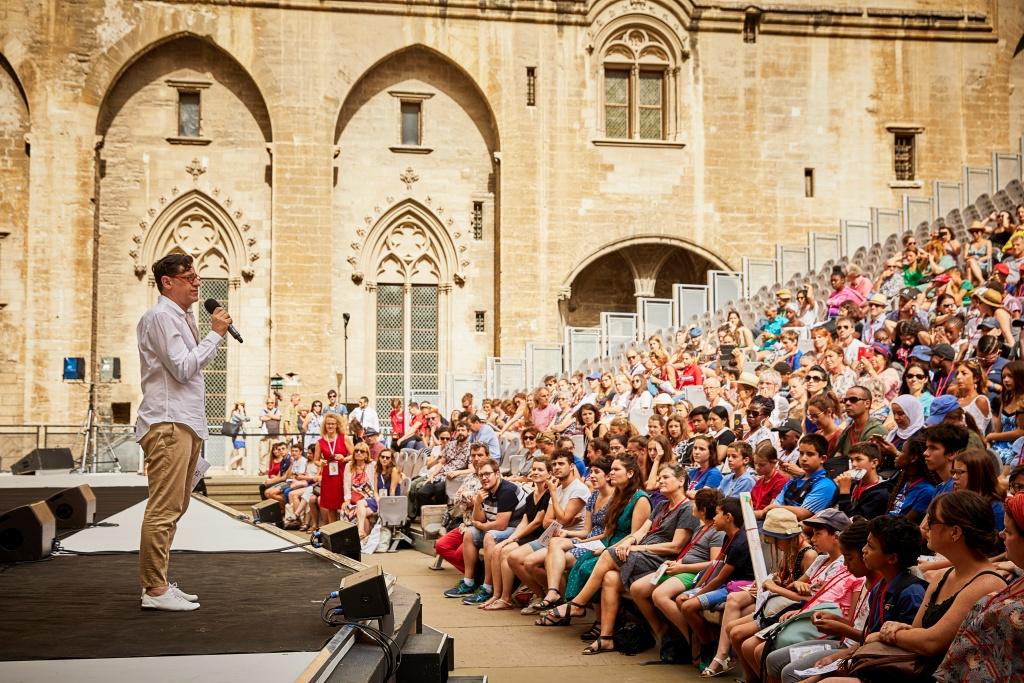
<point x="112" y="448"/>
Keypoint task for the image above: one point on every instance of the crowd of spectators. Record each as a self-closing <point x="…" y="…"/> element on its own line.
<point x="879" y="434"/>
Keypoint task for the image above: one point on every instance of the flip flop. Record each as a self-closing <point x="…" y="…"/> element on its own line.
<point x="497" y="605"/>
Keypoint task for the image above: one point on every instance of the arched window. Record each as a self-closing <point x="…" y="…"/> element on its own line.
<point x="410" y="269"/>
<point x="639" y="70"/>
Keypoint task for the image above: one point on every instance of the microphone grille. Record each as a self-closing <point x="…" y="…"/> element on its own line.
<point x="211" y="305"/>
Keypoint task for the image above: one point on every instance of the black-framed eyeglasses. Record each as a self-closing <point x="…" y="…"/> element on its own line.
<point x="853" y="399"/>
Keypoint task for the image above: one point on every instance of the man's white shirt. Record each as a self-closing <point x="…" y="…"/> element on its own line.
<point x="171" y="362"/>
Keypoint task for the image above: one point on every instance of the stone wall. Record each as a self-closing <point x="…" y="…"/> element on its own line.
<point x="301" y="124"/>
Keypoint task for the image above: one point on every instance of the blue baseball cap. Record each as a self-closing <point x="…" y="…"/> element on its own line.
<point x="941" y="407"/>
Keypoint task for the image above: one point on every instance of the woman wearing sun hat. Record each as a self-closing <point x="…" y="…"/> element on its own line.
<point x="990" y="304"/>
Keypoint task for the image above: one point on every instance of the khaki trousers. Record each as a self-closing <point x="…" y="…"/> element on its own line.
<point x="172" y="451"/>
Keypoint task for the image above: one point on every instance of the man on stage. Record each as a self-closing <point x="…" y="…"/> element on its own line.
<point x="171" y="424"/>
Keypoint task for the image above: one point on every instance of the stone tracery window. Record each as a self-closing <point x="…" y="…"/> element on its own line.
<point x="638" y="67"/>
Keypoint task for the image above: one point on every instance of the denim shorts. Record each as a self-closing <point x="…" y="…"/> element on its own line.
<point x="714" y="598"/>
<point x="238" y="443"/>
<point x="477" y="536"/>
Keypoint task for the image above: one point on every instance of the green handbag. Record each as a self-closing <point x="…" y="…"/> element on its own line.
<point x="797" y="628"/>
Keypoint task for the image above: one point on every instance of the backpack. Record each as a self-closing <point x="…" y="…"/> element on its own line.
<point x="632" y="638"/>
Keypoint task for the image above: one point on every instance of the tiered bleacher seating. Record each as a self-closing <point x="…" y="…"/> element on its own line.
<point x="992" y="192"/>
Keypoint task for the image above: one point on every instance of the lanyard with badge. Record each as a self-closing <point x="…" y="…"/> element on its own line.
<point x="332" y="465"/>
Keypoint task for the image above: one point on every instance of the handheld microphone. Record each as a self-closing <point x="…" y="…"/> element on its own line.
<point x="212" y="305"/>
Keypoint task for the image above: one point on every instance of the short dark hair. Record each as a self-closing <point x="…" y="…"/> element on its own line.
<point x="473" y="418"/>
<point x="868" y="449"/>
<point x="816" y="441"/>
<point x="898" y="536"/>
<point x="479" y="446"/>
<point x="700" y="411"/>
<point x="170" y="266"/>
<point x="952" y="437"/>
<point x="621" y="438"/>
<point x="563" y="454"/>
<point x="731" y="506"/>
<point x="972" y="513"/>
<point x="706" y="500"/>
<point x="856" y="535"/>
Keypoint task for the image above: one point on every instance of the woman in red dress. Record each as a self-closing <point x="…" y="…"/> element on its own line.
<point x="333" y="451"/>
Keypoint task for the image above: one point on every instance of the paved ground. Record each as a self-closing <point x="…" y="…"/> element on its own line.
<point x="506" y="646"/>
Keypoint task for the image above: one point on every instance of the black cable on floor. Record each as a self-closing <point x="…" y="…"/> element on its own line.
<point x="59" y="549"/>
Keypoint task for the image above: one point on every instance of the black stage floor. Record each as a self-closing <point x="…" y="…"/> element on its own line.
<point x="109" y="499"/>
<point x="72" y="607"/>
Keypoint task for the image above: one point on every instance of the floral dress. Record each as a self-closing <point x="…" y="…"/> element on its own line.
<point x="989" y="647"/>
<point x="584" y="566"/>
<point x="596" y="524"/>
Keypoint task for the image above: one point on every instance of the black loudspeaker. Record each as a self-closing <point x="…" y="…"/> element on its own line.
<point x="267" y="512"/>
<point x="44" y="459"/>
<point x="364" y="595"/>
<point x="73" y="508"/>
<point x="26" y="533"/>
<point x="342" y="537"/>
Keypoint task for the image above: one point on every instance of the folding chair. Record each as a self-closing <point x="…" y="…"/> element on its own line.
<point x="393" y="512"/>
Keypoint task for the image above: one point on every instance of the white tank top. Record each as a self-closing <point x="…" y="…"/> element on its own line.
<point x="974" y="411"/>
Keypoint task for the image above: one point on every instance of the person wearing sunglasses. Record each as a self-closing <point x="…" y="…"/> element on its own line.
<point x="861" y="427"/>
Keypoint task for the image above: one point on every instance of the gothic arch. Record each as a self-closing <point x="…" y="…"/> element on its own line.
<point x="426" y="64"/>
<point x="108" y="71"/>
<point x="6" y="66"/>
<point x="408" y="245"/>
<point x="617" y="245"/>
<point x="197" y="225"/>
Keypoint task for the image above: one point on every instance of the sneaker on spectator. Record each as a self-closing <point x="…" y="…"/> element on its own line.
<point x="534" y="606"/>
<point x="170" y="601"/>
<point x="187" y="596"/>
<point x="460" y="591"/>
<point x="481" y="595"/>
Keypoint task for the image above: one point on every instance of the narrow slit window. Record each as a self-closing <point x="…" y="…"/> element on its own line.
<point x="808" y="182"/>
<point x="651" y="94"/>
<point x="412" y="123"/>
<point x="478" y="220"/>
<point x="531" y="86"/>
<point x="480" y="321"/>
<point x="188" y="113"/>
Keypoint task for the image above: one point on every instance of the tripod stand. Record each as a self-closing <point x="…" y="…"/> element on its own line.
<point x="90" y="446"/>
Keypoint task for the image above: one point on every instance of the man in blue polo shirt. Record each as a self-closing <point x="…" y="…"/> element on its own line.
<point x="814" y="491"/>
<point x="480" y="432"/>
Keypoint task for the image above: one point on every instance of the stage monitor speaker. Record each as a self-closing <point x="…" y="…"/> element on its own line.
<point x="73" y="508"/>
<point x="364" y="595"/>
<point x="342" y="537"/>
<point x="44" y="459"/>
<point x="26" y="533"/>
<point x="267" y="512"/>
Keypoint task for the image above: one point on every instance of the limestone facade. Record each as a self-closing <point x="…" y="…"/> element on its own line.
<point x="464" y="157"/>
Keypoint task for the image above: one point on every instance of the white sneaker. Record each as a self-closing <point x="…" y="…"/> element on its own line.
<point x="188" y="596"/>
<point x="170" y="601"/>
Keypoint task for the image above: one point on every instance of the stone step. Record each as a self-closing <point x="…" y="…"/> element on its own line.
<point x="240" y="493"/>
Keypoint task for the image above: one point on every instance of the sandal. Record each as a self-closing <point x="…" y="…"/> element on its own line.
<point x="591" y="633"/>
<point x="545" y="604"/>
<point x="595" y="647"/>
<point x="726" y="666"/>
<point x="497" y="605"/>
<point x="555" y="618"/>
<point x="532" y="607"/>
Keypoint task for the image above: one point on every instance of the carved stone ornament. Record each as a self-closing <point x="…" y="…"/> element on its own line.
<point x="195" y="169"/>
<point x="199" y="225"/>
<point x="357" y="277"/>
<point x="409" y="177"/>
